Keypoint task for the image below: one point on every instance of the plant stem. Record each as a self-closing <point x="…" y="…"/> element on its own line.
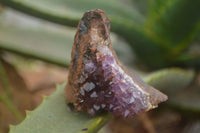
<point x="5" y="81"/>
<point x="7" y="100"/>
<point x="11" y="107"/>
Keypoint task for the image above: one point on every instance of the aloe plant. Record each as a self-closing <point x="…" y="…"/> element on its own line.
<point x="160" y="34"/>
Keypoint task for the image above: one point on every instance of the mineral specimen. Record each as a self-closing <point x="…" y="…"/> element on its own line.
<point x="98" y="80"/>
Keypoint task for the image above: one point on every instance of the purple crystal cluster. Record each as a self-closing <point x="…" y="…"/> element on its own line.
<point x="97" y="80"/>
<point x="107" y="86"/>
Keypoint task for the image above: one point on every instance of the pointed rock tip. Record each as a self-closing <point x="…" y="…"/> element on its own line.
<point x="156" y="96"/>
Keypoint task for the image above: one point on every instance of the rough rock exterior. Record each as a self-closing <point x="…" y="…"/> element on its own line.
<point x="97" y="80"/>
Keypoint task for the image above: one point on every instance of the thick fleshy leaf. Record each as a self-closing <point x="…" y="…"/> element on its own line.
<point x="170" y="80"/>
<point x="53" y="43"/>
<point x="168" y="31"/>
<point x="42" y="44"/>
<point x="191" y="57"/>
<point x="175" y="23"/>
<point x="68" y="12"/>
<point x="126" y="21"/>
<point x="174" y="82"/>
<point x="31" y="37"/>
<point x="54" y="116"/>
<point x="187" y="100"/>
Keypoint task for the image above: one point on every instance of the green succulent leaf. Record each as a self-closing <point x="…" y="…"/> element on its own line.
<point x="69" y="12"/>
<point x="191" y="57"/>
<point x="125" y="19"/>
<point x="54" y="116"/>
<point x="170" y="80"/>
<point x="175" y="82"/>
<point x="174" y="24"/>
<point x="51" y="45"/>
<point x="187" y="101"/>
<point x="45" y="41"/>
<point x="162" y="36"/>
<point x="41" y="44"/>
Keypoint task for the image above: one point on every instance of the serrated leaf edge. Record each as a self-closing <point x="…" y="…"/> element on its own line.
<point x="44" y="99"/>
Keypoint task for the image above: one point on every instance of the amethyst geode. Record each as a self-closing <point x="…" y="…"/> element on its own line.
<point x="98" y="80"/>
